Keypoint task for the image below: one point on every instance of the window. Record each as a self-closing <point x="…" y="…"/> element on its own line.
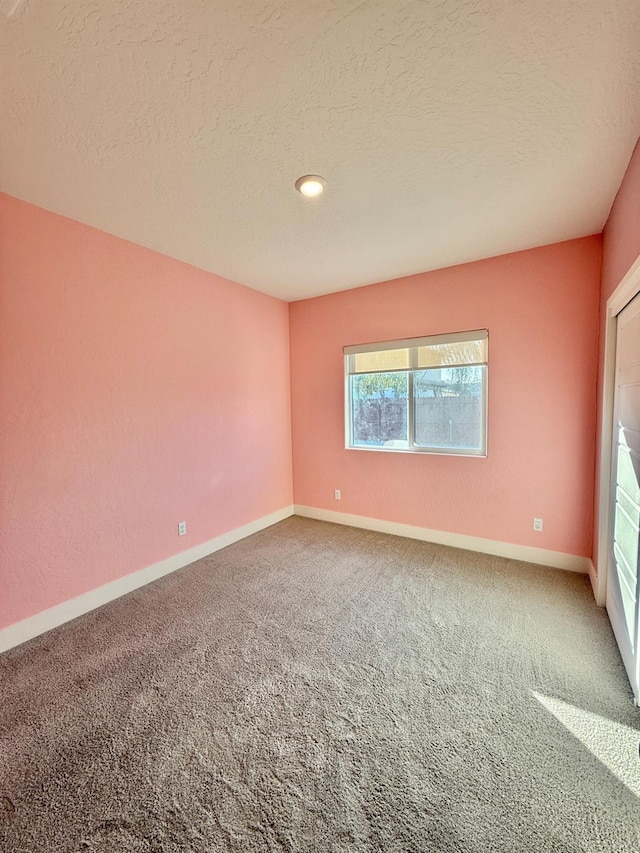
<point x="424" y="395"/>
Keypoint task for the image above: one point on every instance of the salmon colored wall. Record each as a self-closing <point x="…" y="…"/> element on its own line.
<point x="620" y="248"/>
<point x="621" y="235"/>
<point x="135" y="392"/>
<point x="541" y="309"/>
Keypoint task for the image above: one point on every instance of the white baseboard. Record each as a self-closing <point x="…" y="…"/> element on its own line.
<point x="20" y="632"/>
<point x="597" y="592"/>
<point x="526" y="553"/>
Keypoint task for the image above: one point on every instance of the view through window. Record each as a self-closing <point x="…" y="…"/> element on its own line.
<point x="419" y="394"/>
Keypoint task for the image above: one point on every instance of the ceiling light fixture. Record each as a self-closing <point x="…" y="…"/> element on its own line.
<point x="311" y="185"/>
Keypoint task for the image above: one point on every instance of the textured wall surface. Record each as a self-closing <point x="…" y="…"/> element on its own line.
<point x="621" y="236"/>
<point x="620" y="248"/>
<point x="135" y="392"/>
<point x="541" y="309"/>
<point x="448" y="131"/>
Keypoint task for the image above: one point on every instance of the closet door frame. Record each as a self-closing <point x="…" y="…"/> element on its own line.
<point x="628" y="288"/>
<point x="627" y="634"/>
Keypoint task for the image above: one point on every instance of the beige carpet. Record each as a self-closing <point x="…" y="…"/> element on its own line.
<point x="320" y="688"/>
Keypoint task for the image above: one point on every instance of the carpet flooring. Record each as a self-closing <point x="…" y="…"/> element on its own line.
<point x="322" y="688"/>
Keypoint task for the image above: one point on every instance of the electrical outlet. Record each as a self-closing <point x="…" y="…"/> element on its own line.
<point x="182" y="528"/>
<point x="538" y="525"/>
<point x="337" y="494"/>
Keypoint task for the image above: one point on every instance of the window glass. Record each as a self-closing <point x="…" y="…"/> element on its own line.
<point x="419" y="394"/>
<point x="448" y="406"/>
<point x="379" y="408"/>
<point x="368" y="362"/>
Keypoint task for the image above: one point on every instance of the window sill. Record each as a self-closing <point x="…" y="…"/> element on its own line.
<point x="432" y="451"/>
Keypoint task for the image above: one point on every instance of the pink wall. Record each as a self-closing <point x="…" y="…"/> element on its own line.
<point x="620" y="248"/>
<point x="541" y="309"/>
<point x="135" y="392"/>
<point x="621" y="235"/>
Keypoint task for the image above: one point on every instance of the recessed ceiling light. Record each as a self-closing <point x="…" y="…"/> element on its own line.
<point x="311" y="185"/>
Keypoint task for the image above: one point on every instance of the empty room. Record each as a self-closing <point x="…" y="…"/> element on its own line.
<point x="319" y="426"/>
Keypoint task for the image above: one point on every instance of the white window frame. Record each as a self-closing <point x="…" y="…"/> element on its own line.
<point x="413" y="344"/>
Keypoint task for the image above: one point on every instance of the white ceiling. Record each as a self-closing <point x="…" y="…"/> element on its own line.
<point x="447" y="130"/>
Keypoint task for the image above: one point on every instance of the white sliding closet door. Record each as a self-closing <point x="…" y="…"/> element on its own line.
<point x="623" y="577"/>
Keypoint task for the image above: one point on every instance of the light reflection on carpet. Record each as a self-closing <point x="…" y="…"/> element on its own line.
<point x="613" y="744"/>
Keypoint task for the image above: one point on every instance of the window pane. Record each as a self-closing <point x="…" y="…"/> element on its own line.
<point x="458" y="352"/>
<point x="393" y="359"/>
<point x="379" y="409"/>
<point x="448" y="405"/>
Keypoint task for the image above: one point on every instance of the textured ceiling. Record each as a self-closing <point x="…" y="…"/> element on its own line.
<point x="447" y="131"/>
